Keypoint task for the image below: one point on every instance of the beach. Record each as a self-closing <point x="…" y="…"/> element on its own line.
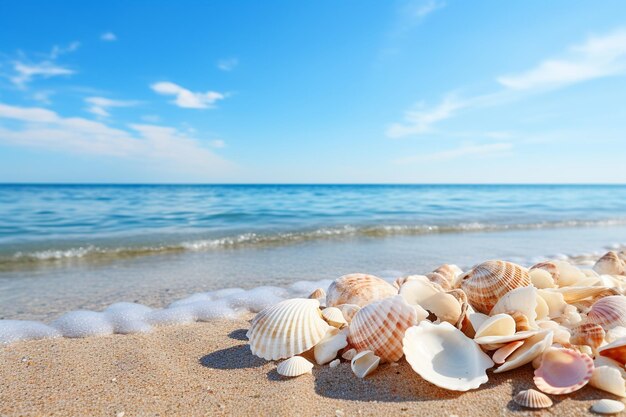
<point x="207" y="369"/>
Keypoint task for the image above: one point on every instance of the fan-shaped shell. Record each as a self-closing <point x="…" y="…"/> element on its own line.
<point x="380" y="327"/>
<point x="287" y="329"/>
<point x="486" y="283"/>
<point x="589" y="334"/>
<point x="531" y="398"/>
<point x="615" y="350"/>
<point x="532" y="347"/>
<point x="563" y="371"/>
<point x="348" y="311"/>
<point x="606" y="406"/>
<point x="334" y="317"/>
<point x="364" y="363"/>
<point x="359" y="289"/>
<point x="439" y="279"/>
<point x="523" y="299"/>
<point x="608" y="312"/>
<point x="294" y="366"/>
<point x="610" y="264"/>
<point x="444" y="356"/>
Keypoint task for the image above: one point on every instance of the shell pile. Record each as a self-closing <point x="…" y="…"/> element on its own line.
<point x="452" y="326"/>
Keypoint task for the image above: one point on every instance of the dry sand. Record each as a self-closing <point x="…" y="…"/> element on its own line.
<point x="207" y="369"/>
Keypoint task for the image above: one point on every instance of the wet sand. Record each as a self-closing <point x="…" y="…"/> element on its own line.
<point x="207" y="369"/>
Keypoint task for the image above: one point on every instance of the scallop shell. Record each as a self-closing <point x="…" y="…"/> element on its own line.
<point x="608" y="312"/>
<point x="610" y="264"/>
<point x="444" y="356"/>
<point x="326" y="350"/>
<point x="563" y="371"/>
<point x="359" y="289"/>
<point x="294" y="366"/>
<point x="615" y="350"/>
<point x="334" y="317"/>
<point x="486" y="283"/>
<point x="541" y="278"/>
<point x="532" y="347"/>
<point x="608" y="378"/>
<point x="500" y="355"/>
<point x="531" y="398"/>
<point x="287" y="329"/>
<point x="319" y="295"/>
<point x="364" y="363"/>
<point x="522" y="299"/>
<point x="607" y="407"/>
<point x="589" y="334"/>
<point x="348" y="311"/>
<point x="380" y="327"/>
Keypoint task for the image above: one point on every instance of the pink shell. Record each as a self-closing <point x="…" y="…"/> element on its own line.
<point x="359" y="289"/>
<point x="608" y="312"/>
<point x="563" y="371"/>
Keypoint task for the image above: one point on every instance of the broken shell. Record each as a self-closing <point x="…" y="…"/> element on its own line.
<point x="294" y="366"/>
<point x="610" y="264"/>
<point x="439" y="279"/>
<point x="449" y="271"/>
<point x="522" y="299"/>
<point x="364" y="363"/>
<point x="521" y="321"/>
<point x="574" y="294"/>
<point x="444" y="356"/>
<point x="349" y="354"/>
<point x="498" y="325"/>
<point x="608" y="378"/>
<point x="532" y="347"/>
<point x="541" y="278"/>
<point x="615" y="350"/>
<point x="554" y="301"/>
<point x="359" y="289"/>
<point x="334" y="363"/>
<point x="495" y="342"/>
<point x="589" y="334"/>
<point x="326" y="350"/>
<point x="444" y="306"/>
<point x="563" y="371"/>
<point x="380" y="327"/>
<point x="489" y="281"/>
<point x="615" y="333"/>
<point x="607" y="407"/>
<point x="348" y="311"/>
<point x="500" y="355"/>
<point x="608" y="312"/>
<point x="531" y="398"/>
<point x="287" y="329"/>
<point x="334" y="317"/>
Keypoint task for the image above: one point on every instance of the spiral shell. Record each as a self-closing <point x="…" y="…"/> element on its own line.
<point x="489" y="281"/>
<point x="589" y="334"/>
<point x="563" y="371"/>
<point x="610" y="264"/>
<point x="608" y="312"/>
<point x="531" y="398"/>
<point x="359" y="289"/>
<point x="287" y="329"/>
<point x="294" y="366"/>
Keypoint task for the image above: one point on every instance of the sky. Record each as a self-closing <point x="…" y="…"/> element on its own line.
<point x="363" y="91"/>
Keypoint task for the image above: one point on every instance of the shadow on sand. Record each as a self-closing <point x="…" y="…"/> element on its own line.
<point x="236" y="357"/>
<point x="239" y="334"/>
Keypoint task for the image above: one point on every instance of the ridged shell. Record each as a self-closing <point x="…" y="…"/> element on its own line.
<point x="610" y="264"/>
<point x="364" y="363"/>
<point x="380" y="327"/>
<point x="294" y="366"/>
<point x="563" y="371"/>
<point x="444" y="356"/>
<point x="486" y="283"/>
<point x="439" y="279"/>
<point x="449" y="271"/>
<point x="615" y="350"/>
<point x="606" y="406"/>
<point x="348" y="311"/>
<point x="531" y="398"/>
<point x="589" y="334"/>
<point x="608" y="312"/>
<point x="359" y="289"/>
<point x="334" y="317"/>
<point x="287" y="329"/>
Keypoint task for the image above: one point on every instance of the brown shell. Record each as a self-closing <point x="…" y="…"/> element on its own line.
<point x="611" y="264"/>
<point x="551" y="267"/>
<point x="589" y="334"/>
<point x="608" y="312"/>
<point x="439" y="279"/>
<point x="359" y="289"/>
<point x="521" y="321"/>
<point x="318" y="294"/>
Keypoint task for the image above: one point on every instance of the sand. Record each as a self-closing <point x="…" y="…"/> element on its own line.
<point x="207" y="369"/>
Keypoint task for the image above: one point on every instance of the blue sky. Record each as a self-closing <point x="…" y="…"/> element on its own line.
<point x="332" y="91"/>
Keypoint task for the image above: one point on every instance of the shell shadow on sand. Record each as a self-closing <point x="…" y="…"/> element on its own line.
<point x="239" y="334"/>
<point x="236" y="357"/>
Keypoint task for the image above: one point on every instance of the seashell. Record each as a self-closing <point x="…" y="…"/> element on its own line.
<point x="319" y="295"/>
<point x="477" y="319"/>
<point x="364" y="363"/>
<point x="554" y="301"/>
<point x="608" y="312"/>
<point x="326" y="350"/>
<point x="570" y="317"/>
<point x="615" y="333"/>
<point x="359" y="289"/>
<point x="610" y="264"/>
<point x="521" y="321"/>
<point x="522" y="299"/>
<point x="532" y="347"/>
<point x="287" y="329"/>
<point x="608" y="378"/>
<point x="531" y="398"/>
<point x="417" y="288"/>
<point x="541" y="278"/>
<point x="294" y="366"/>
<point x="561" y="333"/>
<point x="498" y="325"/>
<point x="348" y="311"/>
<point x="489" y="281"/>
<point x="444" y="306"/>
<point x="349" y="354"/>
<point x="380" y="327"/>
<point x="563" y="371"/>
<point x="449" y="271"/>
<point x="437" y="278"/>
<point x="615" y="350"/>
<point x="574" y="294"/>
<point x="335" y="363"/>
<point x="589" y="334"/>
<point x="334" y="317"/>
<point x="495" y="341"/>
<point x="500" y="355"/>
<point x="563" y="273"/>
<point x="607" y="407"/>
<point x="550" y="267"/>
<point x="444" y="356"/>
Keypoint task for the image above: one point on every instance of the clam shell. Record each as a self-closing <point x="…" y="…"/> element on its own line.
<point x="417" y="289"/>
<point x="348" y="311"/>
<point x="380" y="327"/>
<point x="437" y="278"/>
<point x="608" y="378"/>
<point x="334" y="317"/>
<point x="294" y="366"/>
<point x="488" y="282"/>
<point x="532" y="347"/>
<point x="541" y="278"/>
<point x="522" y="299"/>
<point x="364" y="363"/>
<point x="444" y="356"/>
<point x="500" y="355"/>
<point x="563" y="273"/>
<point x="498" y="325"/>
<point x="445" y="306"/>
<point x="326" y="350"/>
<point x="610" y="264"/>
<point x="359" y="289"/>
<point x="531" y="398"/>
<point x="589" y="334"/>
<point x="563" y="371"/>
<point x="287" y="329"/>
<point x="608" y="312"/>
<point x="449" y="271"/>
<point x="615" y="350"/>
<point x="606" y="406"/>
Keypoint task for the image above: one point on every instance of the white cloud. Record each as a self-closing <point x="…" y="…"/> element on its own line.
<point x="218" y="143"/>
<point x="422" y="9"/>
<point x="27" y="72"/>
<point x="100" y="105"/>
<point x="420" y="121"/>
<point x="43" y="96"/>
<point x="62" y="50"/>
<point x="488" y="150"/>
<point x="186" y="98"/>
<point x="227" y="64"/>
<point x="108" y="37"/>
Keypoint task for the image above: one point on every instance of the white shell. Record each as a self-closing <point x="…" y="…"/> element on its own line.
<point x="541" y="278"/>
<point x="287" y="329"/>
<point x="348" y="311"/>
<point x="500" y="355"/>
<point x="609" y="379"/>
<point x="607" y="407"/>
<point x="349" y="354"/>
<point x="615" y="333"/>
<point x="335" y="363"/>
<point x="334" y="317"/>
<point x="555" y="302"/>
<point x="326" y="350"/>
<point x="532" y="399"/>
<point x="523" y="299"/>
<point x="498" y="325"/>
<point x="364" y="363"/>
<point x="294" y="366"/>
<point x="416" y="289"/>
<point x="532" y="347"/>
<point x="444" y="356"/>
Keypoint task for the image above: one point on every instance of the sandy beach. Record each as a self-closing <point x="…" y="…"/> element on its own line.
<point x="207" y="369"/>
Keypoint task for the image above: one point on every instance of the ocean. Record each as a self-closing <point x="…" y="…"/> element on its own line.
<point x="85" y="246"/>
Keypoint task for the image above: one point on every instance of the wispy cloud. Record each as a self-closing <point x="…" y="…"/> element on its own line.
<point x="227" y="64"/>
<point x="186" y="98"/>
<point x="100" y="105"/>
<point x="424" y="8"/>
<point x="421" y="120"/>
<point x="43" y="96"/>
<point x="218" y="143"/>
<point x="25" y="73"/>
<point x="468" y="149"/>
<point x="108" y="37"/>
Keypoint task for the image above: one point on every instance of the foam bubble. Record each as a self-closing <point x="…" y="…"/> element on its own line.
<point x="128" y="318"/>
<point x="14" y="330"/>
<point x="83" y="323"/>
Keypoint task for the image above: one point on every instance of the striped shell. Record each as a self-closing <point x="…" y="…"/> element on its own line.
<point x="608" y="312"/>
<point x="610" y="264"/>
<point x="287" y="329"/>
<point x="606" y="406"/>
<point x="359" y="289"/>
<point x="563" y="371"/>
<point x="439" y="279"/>
<point x="531" y="398"/>
<point x="294" y="366"/>
<point x="589" y="334"/>
<point x="486" y="283"/>
<point x="380" y="327"/>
